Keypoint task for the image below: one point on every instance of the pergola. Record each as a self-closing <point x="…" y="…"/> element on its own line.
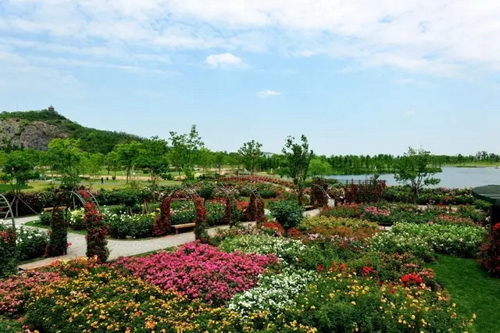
<point x="490" y="193"/>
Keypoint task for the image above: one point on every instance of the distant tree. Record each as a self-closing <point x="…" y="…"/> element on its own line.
<point x="18" y="169"/>
<point x="219" y="159"/>
<point x="319" y="167"/>
<point x="127" y="154"/>
<point x="414" y="169"/>
<point x="205" y="159"/>
<point x="92" y="164"/>
<point x="185" y="151"/>
<point x="297" y="156"/>
<point x="3" y="158"/>
<point x="250" y="153"/>
<point x="152" y="157"/>
<point x="112" y="162"/>
<point x="65" y="158"/>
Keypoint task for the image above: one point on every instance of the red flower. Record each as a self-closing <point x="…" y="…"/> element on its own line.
<point x="411" y="279"/>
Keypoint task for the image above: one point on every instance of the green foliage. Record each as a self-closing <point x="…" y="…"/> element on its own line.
<point x="126" y="154"/>
<point x="152" y="158"/>
<point x="31" y="243"/>
<point x="319" y="167"/>
<point x="415" y="169"/>
<point x="288" y="213"/>
<point x="425" y="239"/>
<point x="91" y="140"/>
<point x="184" y="151"/>
<point x="65" y="158"/>
<point x="8" y="251"/>
<point x="471" y="289"/>
<point x="58" y="240"/>
<point x="297" y="156"/>
<point x="347" y="303"/>
<point x="18" y="169"/>
<point x="10" y="326"/>
<point x="287" y="250"/>
<point x="250" y="153"/>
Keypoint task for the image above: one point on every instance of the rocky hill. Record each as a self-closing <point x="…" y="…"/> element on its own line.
<point x="35" y="129"/>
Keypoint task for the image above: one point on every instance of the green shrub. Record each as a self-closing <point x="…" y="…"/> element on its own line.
<point x="399" y="242"/>
<point x="287" y="250"/>
<point x="8" y="251"/>
<point x="288" y="213"/>
<point x="342" y="302"/>
<point x="31" y="243"/>
<point x="45" y="218"/>
<point x="458" y="240"/>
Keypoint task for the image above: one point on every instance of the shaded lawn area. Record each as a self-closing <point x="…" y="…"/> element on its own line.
<point x="472" y="289"/>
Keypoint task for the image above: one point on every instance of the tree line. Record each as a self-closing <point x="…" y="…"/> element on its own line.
<point x="186" y="154"/>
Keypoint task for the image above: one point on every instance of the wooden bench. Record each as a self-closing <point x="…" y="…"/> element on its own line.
<point x="50" y="209"/>
<point x="182" y="226"/>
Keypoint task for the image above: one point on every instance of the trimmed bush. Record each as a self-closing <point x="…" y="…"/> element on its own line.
<point x="288" y="213"/>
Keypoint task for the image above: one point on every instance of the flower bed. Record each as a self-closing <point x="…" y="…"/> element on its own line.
<point x="389" y="214"/>
<point x="200" y="271"/>
<point x="287" y="250"/>
<point x="423" y="239"/>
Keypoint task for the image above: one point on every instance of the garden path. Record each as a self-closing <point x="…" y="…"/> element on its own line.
<point x="119" y="248"/>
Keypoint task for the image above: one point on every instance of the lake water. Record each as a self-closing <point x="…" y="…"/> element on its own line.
<point x="450" y="177"/>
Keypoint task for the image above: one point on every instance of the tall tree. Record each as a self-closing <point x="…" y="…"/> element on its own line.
<point x="319" y="167"/>
<point x="18" y="169"/>
<point x="184" y="151"/>
<point x="298" y="156"/>
<point x="127" y="154"/>
<point x="219" y="159"/>
<point x="250" y="153"/>
<point x="65" y="158"/>
<point x="92" y="165"/>
<point x="415" y="169"/>
<point x="152" y="157"/>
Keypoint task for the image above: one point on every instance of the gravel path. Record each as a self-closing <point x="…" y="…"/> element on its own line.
<point x="119" y="248"/>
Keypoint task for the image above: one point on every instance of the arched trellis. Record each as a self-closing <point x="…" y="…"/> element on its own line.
<point x="163" y="222"/>
<point x="230" y="205"/>
<point x="325" y="200"/>
<point x="6" y="211"/>
<point x="58" y="241"/>
<point x="255" y="210"/>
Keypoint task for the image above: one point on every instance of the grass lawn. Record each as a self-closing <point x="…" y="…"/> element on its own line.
<point x="40" y="185"/>
<point x="472" y="289"/>
<point x="39" y="225"/>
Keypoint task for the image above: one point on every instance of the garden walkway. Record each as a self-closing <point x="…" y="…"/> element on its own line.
<point x="119" y="248"/>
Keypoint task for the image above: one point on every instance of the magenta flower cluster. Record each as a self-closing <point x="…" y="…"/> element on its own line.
<point x="377" y="211"/>
<point x="15" y="290"/>
<point x="201" y="271"/>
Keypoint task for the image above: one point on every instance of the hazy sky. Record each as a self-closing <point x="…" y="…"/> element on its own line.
<point x="356" y="77"/>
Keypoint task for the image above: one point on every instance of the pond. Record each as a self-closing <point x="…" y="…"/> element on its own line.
<point x="451" y="177"/>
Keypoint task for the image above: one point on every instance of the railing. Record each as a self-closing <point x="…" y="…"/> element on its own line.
<point x="359" y="181"/>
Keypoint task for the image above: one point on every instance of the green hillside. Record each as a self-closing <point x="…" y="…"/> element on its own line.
<point x="49" y="123"/>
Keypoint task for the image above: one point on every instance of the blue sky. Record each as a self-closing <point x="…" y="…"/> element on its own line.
<point x="356" y="77"/>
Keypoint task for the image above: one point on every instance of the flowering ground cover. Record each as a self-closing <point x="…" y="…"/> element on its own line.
<point x="330" y="274"/>
<point x="390" y="213"/>
<point x="200" y="271"/>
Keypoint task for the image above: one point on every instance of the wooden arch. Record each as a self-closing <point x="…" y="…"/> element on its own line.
<point x="6" y="211"/>
<point x="229" y="205"/>
<point x="163" y="221"/>
<point x="324" y="202"/>
<point x="58" y="241"/>
<point x="255" y="211"/>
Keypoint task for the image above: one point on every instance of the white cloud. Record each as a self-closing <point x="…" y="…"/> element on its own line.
<point x="268" y="93"/>
<point x="438" y="37"/>
<point x="223" y="60"/>
<point x="410" y="113"/>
